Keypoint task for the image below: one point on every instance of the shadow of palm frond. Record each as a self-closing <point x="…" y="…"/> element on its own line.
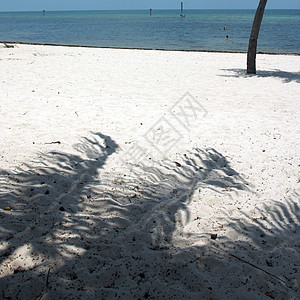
<point x="43" y="194"/>
<point x="92" y="227"/>
<point x="266" y="242"/>
<point x="163" y="191"/>
<point x="86" y="231"/>
<point x="286" y="77"/>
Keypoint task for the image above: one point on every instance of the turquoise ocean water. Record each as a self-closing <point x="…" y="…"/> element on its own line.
<point x="199" y="30"/>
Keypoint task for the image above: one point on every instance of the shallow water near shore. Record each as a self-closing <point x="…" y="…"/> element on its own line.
<point x="199" y="30"/>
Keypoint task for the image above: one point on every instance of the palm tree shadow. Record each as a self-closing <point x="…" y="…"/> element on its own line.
<point x="162" y="191"/>
<point x="286" y="77"/>
<point x="268" y="245"/>
<point x="91" y="232"/>
<point x="42" y="194"/>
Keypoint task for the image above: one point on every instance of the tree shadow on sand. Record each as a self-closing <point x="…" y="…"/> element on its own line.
<point x="286" y="77"/>
<point x="91" y="232"/>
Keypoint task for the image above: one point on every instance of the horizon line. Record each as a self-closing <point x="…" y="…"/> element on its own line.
<point x="142" y="9"/>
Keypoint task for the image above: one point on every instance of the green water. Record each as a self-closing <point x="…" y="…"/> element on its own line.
<point x="199" y="30"/>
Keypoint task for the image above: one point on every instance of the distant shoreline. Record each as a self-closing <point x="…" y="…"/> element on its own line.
<point x="147" y="49"/>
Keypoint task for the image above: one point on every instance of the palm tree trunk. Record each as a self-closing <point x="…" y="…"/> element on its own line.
<point x="251" y="56"/>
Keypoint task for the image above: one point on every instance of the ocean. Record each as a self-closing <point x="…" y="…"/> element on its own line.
<point x="199" y="30"/>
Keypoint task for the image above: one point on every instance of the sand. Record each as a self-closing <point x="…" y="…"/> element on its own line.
<point x="132" y="174"/>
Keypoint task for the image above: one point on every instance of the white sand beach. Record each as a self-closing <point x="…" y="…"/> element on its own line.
<point x="134" y="174"/>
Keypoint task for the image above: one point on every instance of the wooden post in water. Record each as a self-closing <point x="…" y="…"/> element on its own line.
<point x="181" y="10"/>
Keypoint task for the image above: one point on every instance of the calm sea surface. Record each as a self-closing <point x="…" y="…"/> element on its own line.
<point x="199" y="30"/>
